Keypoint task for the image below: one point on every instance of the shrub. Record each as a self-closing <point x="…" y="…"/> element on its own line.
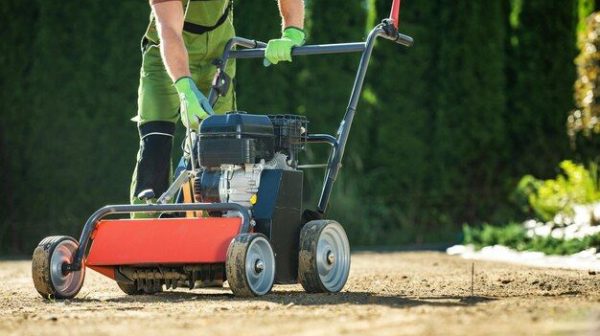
<point x="577" y="185"/>
<point x="585" y="118"/>
<point x="514" y="236"/>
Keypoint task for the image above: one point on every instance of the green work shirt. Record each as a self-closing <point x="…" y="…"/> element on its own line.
<point x="157" y="97"/>
<point x="204" y="13"/>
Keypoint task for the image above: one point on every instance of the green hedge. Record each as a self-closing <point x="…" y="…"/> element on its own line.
<point x="443" y="131"/>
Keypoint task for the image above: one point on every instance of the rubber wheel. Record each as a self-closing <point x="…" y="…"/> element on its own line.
<point x="133" y="289"/>
<point x="324" y="257"/>
<point x="46" y="268"/>
<point x="250" y="265"/>
<point x="130" y="289"/>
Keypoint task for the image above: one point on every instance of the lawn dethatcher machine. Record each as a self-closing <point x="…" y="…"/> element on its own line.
<point x="234" y="211"/>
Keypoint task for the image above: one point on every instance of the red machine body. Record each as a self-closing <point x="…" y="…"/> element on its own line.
<point x="164" y="241"/>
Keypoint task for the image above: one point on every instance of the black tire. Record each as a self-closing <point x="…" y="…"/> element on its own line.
<point x="333" y="257"/>
<point x="132" y="289"/>
<point x="48" y="279"/>
<point x="253" y="281"/>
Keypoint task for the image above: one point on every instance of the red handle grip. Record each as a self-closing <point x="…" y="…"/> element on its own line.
<point x="395" y="13"/>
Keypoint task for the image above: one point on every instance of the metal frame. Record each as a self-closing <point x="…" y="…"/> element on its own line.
<point x="386" y="29"/>
<point x="90" y="225"/>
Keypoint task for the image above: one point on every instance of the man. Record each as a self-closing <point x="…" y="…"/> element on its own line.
<point x="182" y="39"/>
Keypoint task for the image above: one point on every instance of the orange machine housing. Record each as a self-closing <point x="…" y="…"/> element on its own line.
<point x="164" y="241"/>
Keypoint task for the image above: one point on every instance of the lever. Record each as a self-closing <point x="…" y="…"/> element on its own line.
<point x="146" y="195"/>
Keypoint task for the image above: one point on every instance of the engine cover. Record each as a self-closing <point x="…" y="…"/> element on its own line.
<point x="231" y="184"/>
<point x="235" y="138"/>
<point x="239" y="139"/>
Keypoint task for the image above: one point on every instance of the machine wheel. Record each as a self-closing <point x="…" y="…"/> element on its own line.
<point x="250" y="265"/>
<point x="132" y="289"/>
<point x="324" y="257"/>
<point x="46" y="268"/>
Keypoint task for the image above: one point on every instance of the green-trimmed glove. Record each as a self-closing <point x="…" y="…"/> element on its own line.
<point x="194" y="105"/>
<point x="281" y="49"/>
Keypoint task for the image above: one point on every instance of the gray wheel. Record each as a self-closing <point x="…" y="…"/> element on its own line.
<point x="324" y="257"/>
<point x="47" y="272"/>
<point x="250" y="265"/>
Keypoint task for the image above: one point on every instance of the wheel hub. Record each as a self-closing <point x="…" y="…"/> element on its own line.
<point x="333" y="257"/>
<point x="330" y="257"/>
<point x="65" y="283"/>
<point x="259" y="266"/>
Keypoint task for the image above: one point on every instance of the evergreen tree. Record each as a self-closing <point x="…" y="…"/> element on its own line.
<point x="439" y="113"/>
<point x="404" y="83"/>
<point x="15" y="81"/>
<point x="261" y="89"/>
<point x="541" y="74"/>
<point x="71" y="144"/>
<point x="442" y="133"/>
<point x="582" y="124"/>
<point x="470" y="145"/>
<point x="584" y="9"/>
<point x="324" y="88"/>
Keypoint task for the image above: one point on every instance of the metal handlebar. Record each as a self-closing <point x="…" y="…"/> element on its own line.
<point x="256" y="49"/>
<point x="316" y="49"/>
<point x="404" y="40"/>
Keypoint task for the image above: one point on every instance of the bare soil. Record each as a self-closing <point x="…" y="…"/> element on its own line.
<point x="411" y="293"/>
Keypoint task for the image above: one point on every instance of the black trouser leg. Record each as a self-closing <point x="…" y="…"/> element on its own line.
<point x="153" y="167"/>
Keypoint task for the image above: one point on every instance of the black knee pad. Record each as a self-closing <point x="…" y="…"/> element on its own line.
<point x="154" y="164"/>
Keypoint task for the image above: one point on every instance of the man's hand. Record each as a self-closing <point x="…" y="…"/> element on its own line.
<point x="281" y="49"/>
<point x="194" y="105"/>
<point x="292" y="17"/>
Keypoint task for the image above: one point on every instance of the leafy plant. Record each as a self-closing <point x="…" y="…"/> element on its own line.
<point x="514" y="236"/>
<point x="585" y="118"/>
<point x="528" y="185"/>
<point x="577" y="185"/>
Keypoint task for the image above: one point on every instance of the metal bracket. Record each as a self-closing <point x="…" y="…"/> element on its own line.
<point x="221" y="80"/>
<point x="170" y="193"/>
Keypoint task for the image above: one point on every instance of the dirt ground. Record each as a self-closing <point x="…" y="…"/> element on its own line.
<point x="412" y="293"/>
